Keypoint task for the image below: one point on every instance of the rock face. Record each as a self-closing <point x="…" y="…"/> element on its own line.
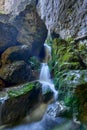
<point x="32" y="30"/>
<point x="67" y="18"/>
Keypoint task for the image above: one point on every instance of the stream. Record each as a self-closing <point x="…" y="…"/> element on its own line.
<point x="47" y="123"/>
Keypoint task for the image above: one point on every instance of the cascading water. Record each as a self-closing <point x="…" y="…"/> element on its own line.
<point x="3" y="97"/>
<point x="45" y="77"/>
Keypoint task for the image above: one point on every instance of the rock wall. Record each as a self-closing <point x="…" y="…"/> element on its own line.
<point x="65" y="17"/>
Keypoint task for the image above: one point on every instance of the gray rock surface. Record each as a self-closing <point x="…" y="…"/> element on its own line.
<point x="65" y="17"/>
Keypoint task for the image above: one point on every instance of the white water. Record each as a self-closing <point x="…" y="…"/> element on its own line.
<point x="3" y="97"/>
<point x="46" y="81"/>
<point x="48" y="47"/>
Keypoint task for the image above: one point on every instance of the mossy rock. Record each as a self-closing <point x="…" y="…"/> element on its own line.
<point x="18" y="101"/>
<point x="14" y="92"/>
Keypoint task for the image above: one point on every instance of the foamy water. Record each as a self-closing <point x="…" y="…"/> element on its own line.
<point x="46" y="81"/>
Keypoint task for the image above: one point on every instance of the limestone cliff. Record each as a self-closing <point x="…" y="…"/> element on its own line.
<point x="66" y="17"/>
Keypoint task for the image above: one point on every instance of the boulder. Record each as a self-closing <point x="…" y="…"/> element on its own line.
<point x="26" y="96"/>
<point x="31" y="29"/>
<point x="29" y="97"/>
<point x="17" y="72"/>
<point x="15" y="53"/>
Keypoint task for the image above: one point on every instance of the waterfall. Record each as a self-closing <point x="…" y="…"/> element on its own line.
<point x="45" y="77"/>
<point x="3" y="97"/>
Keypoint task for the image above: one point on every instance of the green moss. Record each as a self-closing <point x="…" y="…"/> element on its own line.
<point x="21" y="90"/>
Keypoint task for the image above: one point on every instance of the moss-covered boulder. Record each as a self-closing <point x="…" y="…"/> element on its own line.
<point x="18" y="102"/>
<point x="15" y="103"/>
